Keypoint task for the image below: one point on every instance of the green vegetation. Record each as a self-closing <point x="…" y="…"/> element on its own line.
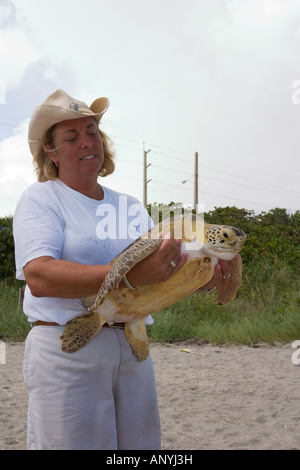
<point x="7" y="258"/>
<point x="266" y="309"/>
<point x="13" y="323"/>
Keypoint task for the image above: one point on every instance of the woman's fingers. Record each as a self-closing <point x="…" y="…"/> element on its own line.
<point x="161" y="265"/>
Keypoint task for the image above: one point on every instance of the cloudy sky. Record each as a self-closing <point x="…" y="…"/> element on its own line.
<point x="217" y="77"/>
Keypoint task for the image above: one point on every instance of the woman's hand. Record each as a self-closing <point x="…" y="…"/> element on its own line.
<point x="159" y="266"/>
<point x="223" y="271"/>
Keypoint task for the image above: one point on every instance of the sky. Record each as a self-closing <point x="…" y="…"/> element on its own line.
<point x="216" y="77"/>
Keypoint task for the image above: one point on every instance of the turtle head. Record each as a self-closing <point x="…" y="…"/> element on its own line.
<point x="224" y="241"/>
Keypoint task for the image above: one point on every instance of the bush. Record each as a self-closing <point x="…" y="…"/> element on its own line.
<point x="272" y="237"/>
<point x="7" y="255"/>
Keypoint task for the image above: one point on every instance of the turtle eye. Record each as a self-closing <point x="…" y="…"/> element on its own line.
<point x="225" y="235"/>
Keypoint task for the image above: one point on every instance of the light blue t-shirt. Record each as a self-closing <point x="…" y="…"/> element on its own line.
<point x="54" y="220"/>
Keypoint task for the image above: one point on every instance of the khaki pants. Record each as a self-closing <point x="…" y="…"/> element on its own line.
<point x="100" y="397"/>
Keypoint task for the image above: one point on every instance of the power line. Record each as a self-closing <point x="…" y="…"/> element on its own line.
<point x="170" y="150"/>
<point x="234" y="183"/>
<point x="213" y="194"/>
<point x="221" y="163"/>
<point x="173" y="158"/>
<point x="130" y="140"/>
<point x="170" y="169"/>
<point x="287" y="193"/>
<point x="169" y="156"/>
<point x="245" y="178"/>
<point x="296" y="194"/>
<point x="128" y="146"/>
<point x="290" y="193"/>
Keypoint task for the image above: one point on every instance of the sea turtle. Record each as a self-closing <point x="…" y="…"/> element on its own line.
<point x="203" y="242"/>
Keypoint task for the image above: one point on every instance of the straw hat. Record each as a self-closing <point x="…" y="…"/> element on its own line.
<point x="60" y="107"/>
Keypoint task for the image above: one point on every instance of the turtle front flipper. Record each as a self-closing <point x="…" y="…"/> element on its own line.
<point x="80" y="330"/>
<point x="139" y="250"/>
<point x="88" y="301"/>
<point x="136" y="335"/>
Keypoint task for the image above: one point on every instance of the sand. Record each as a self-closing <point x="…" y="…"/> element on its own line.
<point x="209" y="398"/>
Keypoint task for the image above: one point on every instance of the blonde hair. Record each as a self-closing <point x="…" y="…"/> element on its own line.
<point x="46" y="168"/>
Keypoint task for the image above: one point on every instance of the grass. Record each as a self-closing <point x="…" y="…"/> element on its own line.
<point x="13" y="323"/>
<point x="266" y="309"/>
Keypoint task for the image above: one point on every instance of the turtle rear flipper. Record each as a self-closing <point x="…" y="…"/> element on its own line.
<point x="80" y="330"/>
<point x="136" y="335"/>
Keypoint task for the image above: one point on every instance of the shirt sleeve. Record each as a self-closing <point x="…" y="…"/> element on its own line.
<point x="38" y="229"/>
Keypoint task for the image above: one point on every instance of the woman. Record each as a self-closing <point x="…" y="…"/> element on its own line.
<point x="67" y="228"/>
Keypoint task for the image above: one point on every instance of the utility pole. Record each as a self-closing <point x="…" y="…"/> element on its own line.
<point x="145" y="175"/>
<point x="196" y="174"/>
<point x="196" y="183"/>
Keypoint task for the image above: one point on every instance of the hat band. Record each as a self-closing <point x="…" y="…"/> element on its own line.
<point x="83" y="111"/>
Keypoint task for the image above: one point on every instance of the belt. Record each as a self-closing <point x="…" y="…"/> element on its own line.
<point x="114" y="325"/>
<point x="46" y="323"/>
